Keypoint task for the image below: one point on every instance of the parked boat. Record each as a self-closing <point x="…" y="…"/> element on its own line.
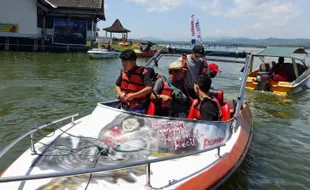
<point x="296" y="72"/>
<point x="102" y="53"/>
<point x="115" y="149"/>
<point x="147" y="49"/>
<point x="145" y="54"/>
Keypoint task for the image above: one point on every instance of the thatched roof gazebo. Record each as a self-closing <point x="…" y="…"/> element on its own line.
<point x="117" y="27"/>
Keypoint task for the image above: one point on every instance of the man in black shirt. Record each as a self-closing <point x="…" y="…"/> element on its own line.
<point x="207" y="108"/>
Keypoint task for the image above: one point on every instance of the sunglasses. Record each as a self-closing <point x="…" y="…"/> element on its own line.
<point x="173" y="71"/>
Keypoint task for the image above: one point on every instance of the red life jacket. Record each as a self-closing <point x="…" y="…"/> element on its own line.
<point x="132" y="84"/>
<point x="166" y="91"/>
<point x="198" y="105"/>
<point x="203" y="68"/>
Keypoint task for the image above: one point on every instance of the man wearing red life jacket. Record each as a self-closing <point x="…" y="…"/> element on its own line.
<point x="207" y="108"/>
<point x="195" y="64"/>
<point x="172" y="93"/>
<point x="161" y="95"/>
<point x="134" y="84"/>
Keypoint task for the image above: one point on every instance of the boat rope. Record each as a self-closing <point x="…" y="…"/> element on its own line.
<point x="53" y="126"/>
<point x="100" y="152"/>
<point x="71" y="151"/>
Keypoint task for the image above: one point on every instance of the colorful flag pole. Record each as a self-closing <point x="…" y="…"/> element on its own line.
<point x="198" y="31"/>
<point x="193" y="30"/>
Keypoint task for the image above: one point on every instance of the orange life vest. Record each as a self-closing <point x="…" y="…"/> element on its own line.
<point x="198" y="105"/>
<point x="203" y="67"/>
<point x="133" y="83"/>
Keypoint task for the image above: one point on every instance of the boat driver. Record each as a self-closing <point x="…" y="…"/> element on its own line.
<point x="279" y="71"/>
<point x="134" y="84"/>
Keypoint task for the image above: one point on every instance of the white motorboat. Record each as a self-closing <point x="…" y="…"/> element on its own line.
<point x="115" y="149"/>
<point x="102" y="53"/>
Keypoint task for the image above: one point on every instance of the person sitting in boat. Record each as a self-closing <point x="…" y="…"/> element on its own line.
<point x="207" y="108"/>
<point x="109" y="47"/>
<point x="196" y="64"/>
<point x="279" y="71"/>
<point x="171" y="92"/>
<point x="213" y="70"/>
<point x="134" y="85"/>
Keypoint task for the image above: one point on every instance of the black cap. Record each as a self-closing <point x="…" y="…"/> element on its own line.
<point x="199" y="49"/>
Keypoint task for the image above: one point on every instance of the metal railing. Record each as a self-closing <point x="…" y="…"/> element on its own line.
<point x="30" y="133"/>
<point x="242" y="86"/>
<point x="147" y="164"/>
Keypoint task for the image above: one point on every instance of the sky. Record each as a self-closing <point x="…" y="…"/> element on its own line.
<point x="170" y="19"/>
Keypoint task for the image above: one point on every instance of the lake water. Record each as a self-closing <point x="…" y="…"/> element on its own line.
<point x="40" y="87"/>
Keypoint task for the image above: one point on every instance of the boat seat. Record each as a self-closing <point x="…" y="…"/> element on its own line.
<point x="218" y="94"/>
<point x="192" y="110"/>
<point x="151" y="108"/>
<point x="264" y="67"/>
<point x="226" y="111"/>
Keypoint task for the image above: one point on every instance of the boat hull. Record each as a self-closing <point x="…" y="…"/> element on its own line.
<point x="281" y="87"/>
<point x="145" y="54"/>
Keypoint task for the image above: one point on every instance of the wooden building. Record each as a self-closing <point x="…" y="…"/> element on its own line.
<point x="49" y="25"/>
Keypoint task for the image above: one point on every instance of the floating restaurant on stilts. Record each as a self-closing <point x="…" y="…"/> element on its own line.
<point x="49" y="25"/>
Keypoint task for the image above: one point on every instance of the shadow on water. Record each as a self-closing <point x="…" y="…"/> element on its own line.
<point x="278" y="157"/>
<point x="240" y="179"/>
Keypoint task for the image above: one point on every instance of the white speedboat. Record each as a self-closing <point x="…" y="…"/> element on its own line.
<point x="102" y="54"/>
<point x="114" y="149"/>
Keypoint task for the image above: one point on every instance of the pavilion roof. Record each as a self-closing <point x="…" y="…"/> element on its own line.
<point x="116" y="27"/>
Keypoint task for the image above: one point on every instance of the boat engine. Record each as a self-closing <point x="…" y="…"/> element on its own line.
<point x="263" y="80"/>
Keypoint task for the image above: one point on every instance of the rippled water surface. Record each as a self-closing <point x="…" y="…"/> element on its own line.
<point x="40" y="87"/>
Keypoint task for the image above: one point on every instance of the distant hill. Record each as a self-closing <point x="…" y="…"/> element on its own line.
<point x="268" y="41"/>
<point x="300" y="42"/>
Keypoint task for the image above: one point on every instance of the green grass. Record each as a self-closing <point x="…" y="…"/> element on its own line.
<point x="118" y="47"/>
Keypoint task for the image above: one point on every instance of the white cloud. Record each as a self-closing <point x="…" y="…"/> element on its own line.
<point x="212" y="8"/>
<point x="260" y="19"/>
<point x="242" y="18"/>
<point x="262" y="30"/>
<point x="158" y="5"/>
<point x="263" y="9"/>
